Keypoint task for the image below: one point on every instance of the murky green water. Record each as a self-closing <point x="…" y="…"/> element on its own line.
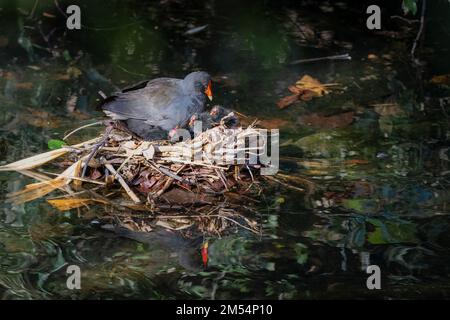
<point x="378" y="186"/>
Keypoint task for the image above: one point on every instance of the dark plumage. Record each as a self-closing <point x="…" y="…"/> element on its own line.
<point x="152" y="108"/>
<point x="213" y="117"/>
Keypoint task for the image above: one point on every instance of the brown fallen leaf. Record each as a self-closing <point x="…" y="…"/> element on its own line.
<point x="72" y="203"/>
<point x="356" y="161"/>
<point x="48" y="15"/>
<point x="8" y="75"/>
<point x="309" y="83"/>
<point x="294" y="90"/>
<point x="35" y="190"/>
<point x="441" y="79"/>
<point x="327" y="122"/>
<point x="305" y="89"/>
<point x="77" y="173"/>
<point x="24" y="85"/>
<point x="286" y="101"/>
<point x="307" y="95"/>
<point x="273" y="123"/>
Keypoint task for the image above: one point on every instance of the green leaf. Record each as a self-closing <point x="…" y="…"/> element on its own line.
<point x="392" y="232"/>
<point x="67" y="55"/>
<point x="302" y="253"/>
<point x="360" y="205"/>
<point x="54" y="144"/>
<point x="409" y="6"/>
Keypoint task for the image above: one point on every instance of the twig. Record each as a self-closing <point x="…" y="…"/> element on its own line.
<point x="95" y="149"/>
<point x="87" y="180"/>
<point x="284" y="183"/>
<point x="122" y="182"/>
<point x="205" y="216"/>
<point x="82" y="127"/>
<point x="335" y="57"/>
<point x="102" y="94"/>
<point x="168" y="172"/>
<point x="164" y="188"/>
<point x="33" y="10"/>
<point x="419" y="33"/>
<point x="239" y="224"/>
<point x="221" y="177"/>
<point x="409" y="21"/>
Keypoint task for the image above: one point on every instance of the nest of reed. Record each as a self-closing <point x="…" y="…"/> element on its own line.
<point x="195" y="184"/>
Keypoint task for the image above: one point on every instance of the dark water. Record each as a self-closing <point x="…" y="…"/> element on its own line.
<point x="379" y="185"/>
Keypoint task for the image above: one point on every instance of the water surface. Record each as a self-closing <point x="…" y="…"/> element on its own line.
<point x="379" y="185"/>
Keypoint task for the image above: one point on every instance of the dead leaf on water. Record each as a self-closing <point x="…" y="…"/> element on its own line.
<point x="327" y="122"/>
<point x="286" y="101"/>
<point x="356" y="161"/>
<point x="308" y="83"/>
<point x="66" y="204"/>
<point x="273" y="123"/>
<point x="24" y="85"/>
<point x="441" y="79"/>
<point x="48" y="15"/>
<point x="36" y="190"/>
<point x="305" y="89"/>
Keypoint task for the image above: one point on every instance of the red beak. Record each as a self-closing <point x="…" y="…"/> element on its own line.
<point x="208" y="91"/>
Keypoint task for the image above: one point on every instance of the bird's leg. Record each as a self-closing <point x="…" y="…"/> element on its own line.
<point x="96" y="147"/>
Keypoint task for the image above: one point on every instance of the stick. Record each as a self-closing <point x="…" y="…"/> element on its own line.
<point x="95" y="149"/>
<point x="101" y="94"/>
<point x="122" y="182"/>
<point x="239" y="224"/>
<point x="167" y="172"/>
<point x="404" y="19"/>
<point x="419" y="33"/>
<point x="336" y="57"/>
<point x="82" y="127"/>
<point x="284" y="184"/>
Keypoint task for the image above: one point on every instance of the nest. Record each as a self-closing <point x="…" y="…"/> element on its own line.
<point x="206" y="182"/>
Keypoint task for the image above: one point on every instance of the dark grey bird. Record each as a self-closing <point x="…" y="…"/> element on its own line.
<point x="152" y="108"/>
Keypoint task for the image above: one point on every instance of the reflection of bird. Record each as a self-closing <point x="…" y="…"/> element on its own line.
<point x="152" y="108"/>
<point x="187" y="250"/>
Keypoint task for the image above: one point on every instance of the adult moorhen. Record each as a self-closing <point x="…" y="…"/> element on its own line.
<point x="152" y="108"/>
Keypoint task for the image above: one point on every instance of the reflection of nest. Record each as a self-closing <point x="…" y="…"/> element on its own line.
<point x="205" y="181"/>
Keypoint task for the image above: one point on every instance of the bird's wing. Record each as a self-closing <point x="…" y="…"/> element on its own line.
<point x="147" y="100"/>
